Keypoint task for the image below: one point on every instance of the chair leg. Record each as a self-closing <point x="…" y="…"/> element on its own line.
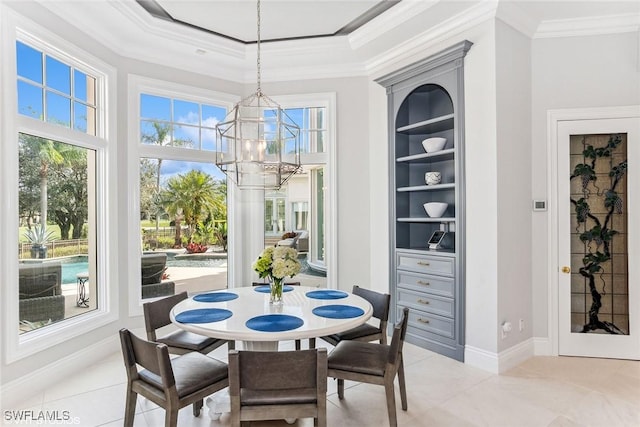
<point x="340" y="388"/>
<point x="197" y="406"/>
<point x="298" y="345"/>
<point x="391" y="402"/>
<point x="171" y="417"/>
<point x="321" y="419"/>
<point x="130" y="408"/>
<point x="403" y="388"/>
<point x="312" y="343"/>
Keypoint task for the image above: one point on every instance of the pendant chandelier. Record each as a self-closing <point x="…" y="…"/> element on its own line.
<point x="258" y="144"/>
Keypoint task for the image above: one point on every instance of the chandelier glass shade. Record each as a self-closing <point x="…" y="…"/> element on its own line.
<point x="258" y="144"/>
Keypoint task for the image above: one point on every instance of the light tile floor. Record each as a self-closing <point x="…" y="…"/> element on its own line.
<point x="543" y="391"/>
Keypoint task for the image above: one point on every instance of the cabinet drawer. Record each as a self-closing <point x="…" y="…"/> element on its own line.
<point x="436" y="285"/>
<point x="425" y="302"/>
<point x="432" y="323"/>
<point x="442" y="266"/>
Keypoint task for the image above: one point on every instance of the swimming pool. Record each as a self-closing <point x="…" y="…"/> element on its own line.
<point x="79" y="264"/>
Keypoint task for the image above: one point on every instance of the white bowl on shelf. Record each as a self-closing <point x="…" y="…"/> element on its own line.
<point x="434" y="144"/>
<point x="435" y="209"/>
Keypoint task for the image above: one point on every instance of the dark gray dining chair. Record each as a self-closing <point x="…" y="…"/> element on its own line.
<point x="298" y="343"/>
<point x="269" y="385"/>
<point x="169" y="383"/>
<point x="156" y="316"/>
<point x="366" y="332"/>
<point x="373" y="363"/>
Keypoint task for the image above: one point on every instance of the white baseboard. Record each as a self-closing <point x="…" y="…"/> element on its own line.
<point x="499" y="362"/>
<point x="23" y="388"/>
<point x="542" y="347"/>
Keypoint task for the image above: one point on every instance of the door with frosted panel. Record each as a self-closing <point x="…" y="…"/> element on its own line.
<point x="598" y="283"/>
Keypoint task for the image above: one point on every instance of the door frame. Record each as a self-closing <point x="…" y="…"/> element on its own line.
<point x="554" y="117"/>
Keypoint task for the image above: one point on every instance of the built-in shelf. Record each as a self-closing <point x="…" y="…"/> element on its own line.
<point x="428" y="157"/>
<point x="435" y="187"/>
<point x="448" y="219"/>
<point x="437" y="124"/>
<point x="426" y="100"/>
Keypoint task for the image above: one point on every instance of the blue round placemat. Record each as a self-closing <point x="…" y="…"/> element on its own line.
<point x="203" y="315"/>
<point x="274" y="323"/>
<point x="267" y="289"/>
<point x="338" y="311"/>
<point x="326" y="294"/>
<point x="215" y="297"/>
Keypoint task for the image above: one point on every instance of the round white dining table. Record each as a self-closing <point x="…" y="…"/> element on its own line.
<point x="245" y="305"/>
<point x="252" y="304"/>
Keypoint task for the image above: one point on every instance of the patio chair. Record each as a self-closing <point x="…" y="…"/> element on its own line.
<point x="153" y="266"/>
<point x="156" y="316"/>
<point x="40" y="292"/>
<point x="374" y="364"/>
<point x="269" y="385"/>
<point x="169" y="383"/>
<point x="366" y="332"/>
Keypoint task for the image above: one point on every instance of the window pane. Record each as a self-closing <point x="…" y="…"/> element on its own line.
<point x="208" y="139"/>
<point x="58" y="109"/>
<point x="186" y="136"/>
<point x="183" y="209"/>
<point x="80" y="85"/>
<point x="58" y="76"/>
<point x="57" y="269"/>
<point x="186" y="112"/>
<point x="155" y="133"/>
<point x="30" y="100"/>
<point x="84" y="118"/>
<point x="155" y="107"/>
<point x="211" y="115"/>
<point x="29" y="62"/>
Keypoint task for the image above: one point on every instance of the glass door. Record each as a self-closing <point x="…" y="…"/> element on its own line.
<point x="596" y="241"/>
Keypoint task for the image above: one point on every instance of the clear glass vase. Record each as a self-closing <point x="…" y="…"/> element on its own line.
<point x="276" y="291"/>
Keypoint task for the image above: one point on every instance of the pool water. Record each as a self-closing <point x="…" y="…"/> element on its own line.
<point x="71" y="269"/>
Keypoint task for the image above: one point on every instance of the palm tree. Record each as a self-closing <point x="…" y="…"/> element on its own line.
<point x="191" y="197"/>
<point x="162" y="136"/>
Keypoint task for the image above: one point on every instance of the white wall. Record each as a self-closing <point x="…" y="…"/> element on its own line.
<point x="572" y="72"/>
<point x="513" y="78"/>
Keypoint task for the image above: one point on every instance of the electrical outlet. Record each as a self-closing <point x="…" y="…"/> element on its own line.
<point x="506" y="328"/>
<point x="521" y="325"/>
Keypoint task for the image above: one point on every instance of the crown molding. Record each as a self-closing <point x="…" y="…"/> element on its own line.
<point x="591" y="26"/>
<point x="392" y="18"/>
<point x="417" y="45"/>
<point x="512" y="14"/>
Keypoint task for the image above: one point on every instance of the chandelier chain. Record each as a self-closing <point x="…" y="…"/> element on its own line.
<point x="258" y="50"/>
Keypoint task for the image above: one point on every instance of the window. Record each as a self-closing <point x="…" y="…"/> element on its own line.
<point x="58" y="163"/>
<point x="54" y="91"/>
<point x="56" y="273"/>
<point x="179" y="123"/>
<point x="183" y="195"/>
<point x="300" y="204"/>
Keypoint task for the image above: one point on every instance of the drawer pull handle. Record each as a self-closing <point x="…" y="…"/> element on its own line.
<point x="423" y="263"/>
<point x="422" y="282"/>
<point x="420" y="319"/>
<point x="422" y="301"/>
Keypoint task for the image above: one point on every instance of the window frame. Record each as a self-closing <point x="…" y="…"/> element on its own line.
<point x="138" y="85"/>
<point x="327" y="158"/>
<point x="16" y="28"/>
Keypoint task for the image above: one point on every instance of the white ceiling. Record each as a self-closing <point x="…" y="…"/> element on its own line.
<point x="406" y="31"/>
<point x="280" y="19"/>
